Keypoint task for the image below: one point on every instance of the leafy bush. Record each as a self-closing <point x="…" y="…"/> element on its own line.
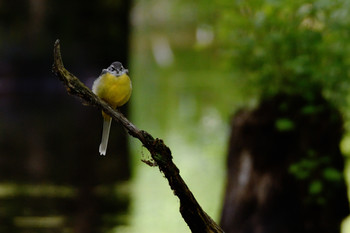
<point x="288" y="46"/>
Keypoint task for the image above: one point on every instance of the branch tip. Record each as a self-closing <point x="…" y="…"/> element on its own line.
<point x="57" y="59"/>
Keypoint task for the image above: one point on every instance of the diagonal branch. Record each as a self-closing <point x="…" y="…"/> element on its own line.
<point x="193" y="214"/>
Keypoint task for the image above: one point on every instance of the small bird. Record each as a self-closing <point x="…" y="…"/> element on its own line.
<point x="114" y="87"/>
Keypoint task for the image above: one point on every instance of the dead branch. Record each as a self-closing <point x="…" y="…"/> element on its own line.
<point x="191" y="211"/>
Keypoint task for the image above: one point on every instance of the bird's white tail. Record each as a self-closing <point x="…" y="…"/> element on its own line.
<point x="105" y="135"/>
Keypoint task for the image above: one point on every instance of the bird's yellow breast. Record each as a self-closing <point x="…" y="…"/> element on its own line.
<point x="116" y="91"/>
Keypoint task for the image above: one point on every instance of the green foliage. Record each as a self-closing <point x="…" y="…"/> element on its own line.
<point x="310" y="165"/>
<point x="284" y="124"/>
<point x="304" y="168"/>
<point x="332" y="174"/>
<point x="289" y="46"/>
<point x="315" y="187"/>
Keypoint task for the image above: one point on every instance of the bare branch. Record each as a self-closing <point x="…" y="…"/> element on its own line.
<point x="193" y="214"/>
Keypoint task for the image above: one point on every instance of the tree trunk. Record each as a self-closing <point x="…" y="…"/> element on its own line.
<point x="285" y="168"/>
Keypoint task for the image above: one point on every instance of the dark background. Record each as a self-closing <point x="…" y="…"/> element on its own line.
<point x="49" y="140"/>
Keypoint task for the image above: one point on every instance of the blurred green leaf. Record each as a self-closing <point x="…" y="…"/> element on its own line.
<point x="315" y="187"/>
<point x="332" y="174"/>
<point x="284" y="124"/>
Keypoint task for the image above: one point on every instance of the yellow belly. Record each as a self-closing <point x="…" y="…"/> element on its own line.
<point x="116" y="91"/>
